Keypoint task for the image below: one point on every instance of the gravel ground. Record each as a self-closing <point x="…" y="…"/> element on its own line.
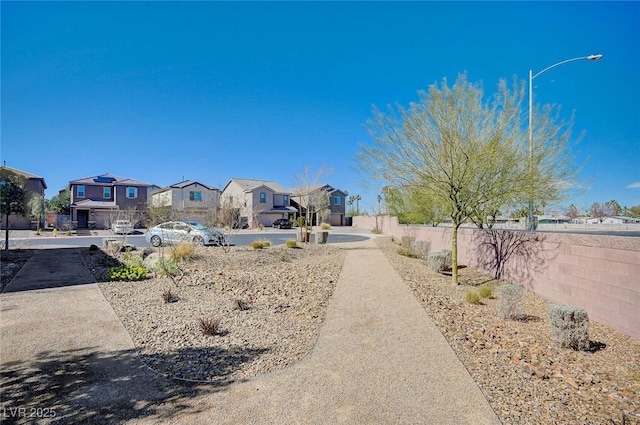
<point x="525" y="378"/>
<point x="270" y="304"/>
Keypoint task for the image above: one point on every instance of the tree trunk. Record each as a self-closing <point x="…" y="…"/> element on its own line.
<point x="6" y="232"/>
<point x="454" y="254"/>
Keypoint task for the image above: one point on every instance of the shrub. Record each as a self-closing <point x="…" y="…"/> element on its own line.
<point x="209" y="325"/>
<point x="325" y="226"/>
<point x="422" y="248"/>
<point x="510" y="301"/>
<point x="291" y="243"/>
<point x="569" y="326"/>
<point x="169" y="297"/>
<point x="447" y="257"/>
<point x="485" y="291"/>
<point x="259" y="244"/>
<point x="407" y="241"/>
<point x="376" y="230"/>
<point x="437" y="261"/>
<point x="472" y="297"/>
<point x="167" y="267"/>
<point x="183" y="251"/>
<point x="131" y="260"/>
<point x="407" y="252"/>
<point x="93" y="247"/>
<point x="127" y="273"/>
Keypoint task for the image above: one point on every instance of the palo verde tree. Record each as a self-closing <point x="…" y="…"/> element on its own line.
<point x="468" y="153"/>
<point x="12" y="198"/>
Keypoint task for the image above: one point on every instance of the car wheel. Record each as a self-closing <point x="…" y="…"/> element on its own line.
<point x="198" y="241"/>
<point x="156" y="241"/>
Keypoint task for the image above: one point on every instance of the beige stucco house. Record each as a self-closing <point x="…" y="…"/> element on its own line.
<point x="258" y="201"/>
<point x="189" y="200"/>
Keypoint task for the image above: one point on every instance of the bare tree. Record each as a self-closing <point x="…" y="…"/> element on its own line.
<point x="572" y="212"/>
<point x="470" y="154"/>
<point x="306" y="185"/>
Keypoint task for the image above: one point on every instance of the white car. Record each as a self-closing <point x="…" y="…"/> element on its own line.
<point x="175" y="232"/>
<point x="122" y="227"/>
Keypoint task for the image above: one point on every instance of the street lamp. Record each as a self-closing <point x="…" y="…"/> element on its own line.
<point x="532" y="225"/>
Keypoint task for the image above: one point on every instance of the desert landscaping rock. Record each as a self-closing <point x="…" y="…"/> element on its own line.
<point x="284" y="293"/>
<point x="525" y="378"/>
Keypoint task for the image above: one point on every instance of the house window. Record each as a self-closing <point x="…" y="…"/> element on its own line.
<point x="80" y="191"/>
<point x="195" y="196"/>
<point x="336" y="200"/>
<point x="132" y="192"/>
<point x="106" y="192"/>
<point x="263" y="197"/>
<point x="285" y="199"/>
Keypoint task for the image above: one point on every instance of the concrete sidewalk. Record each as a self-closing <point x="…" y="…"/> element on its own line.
<point x="379" y="359"/>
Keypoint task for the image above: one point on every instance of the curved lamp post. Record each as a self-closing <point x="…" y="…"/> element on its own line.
<point x="532" y="225"/>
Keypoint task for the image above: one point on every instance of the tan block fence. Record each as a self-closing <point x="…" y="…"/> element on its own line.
<point x="596" y="272"/>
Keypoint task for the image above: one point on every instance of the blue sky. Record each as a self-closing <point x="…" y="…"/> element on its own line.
<point x="158" y="91"/>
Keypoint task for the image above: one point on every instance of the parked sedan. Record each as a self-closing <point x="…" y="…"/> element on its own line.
<point x="282" y="223"/>
<point x="123" y="227"/>
<point x="175" y="232"/>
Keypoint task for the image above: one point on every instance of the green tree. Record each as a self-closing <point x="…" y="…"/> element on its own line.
<point x="468" y="153"/>
<point x="12" y="195"/>
<point x="61" y="203"/>
<point x="37" y="208"/>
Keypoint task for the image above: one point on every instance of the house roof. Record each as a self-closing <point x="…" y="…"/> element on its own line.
<point x="89" y="203"/>
<point x="187" y="183"/>
<point x="25" y="174"/>
<point x="109" y="180"/>
<point x="248" y="185"/>
<point x="312" y="188"/>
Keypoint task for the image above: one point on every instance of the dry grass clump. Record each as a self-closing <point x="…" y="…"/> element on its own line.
<point x="209" y="325"/>
<point x="292" y="243"/>
<point x="183" y="251"/>
<point x="260" y="244"/>
<point x="485" y="291"/>
<point x="472" y="297"/>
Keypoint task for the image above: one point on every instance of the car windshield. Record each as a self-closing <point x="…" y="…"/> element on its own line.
<point x="197" y="226"/>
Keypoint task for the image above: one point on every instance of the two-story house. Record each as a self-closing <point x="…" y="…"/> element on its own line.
<point x="258" y="201"/>
<point x="33" y="185"/>
<point x="325" y="202"/>
<point x="189" y="200"/>
<point x="96" y="201"/>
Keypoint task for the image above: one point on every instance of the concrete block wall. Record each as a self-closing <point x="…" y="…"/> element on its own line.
<point x="598" y="273"/>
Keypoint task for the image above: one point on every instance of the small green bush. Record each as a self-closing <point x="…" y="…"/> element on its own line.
<point x="472" y="297"/>
<point x="325" y="226"/>
<point x="167" y="267"/>
<point x="127" y="273"/>
<point x="407" y="252"/>
<point x="292" y="243"/>
<point x="486" y="291"/>
<point x="131" y="260"/>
